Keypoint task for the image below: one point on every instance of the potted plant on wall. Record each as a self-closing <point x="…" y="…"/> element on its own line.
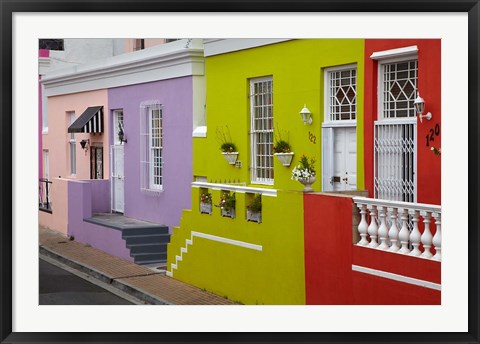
<point x="206" y="203"/>
<point x="227" y="204"/>
<point x="254" y="209"/>
<point x="282" y="150"/>
<point x="228" y="148"/>
<point x="305" y="173"/>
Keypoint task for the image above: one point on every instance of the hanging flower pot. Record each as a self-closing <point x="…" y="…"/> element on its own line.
<point x="285" y="158"/>
<point x="231" y="157"/>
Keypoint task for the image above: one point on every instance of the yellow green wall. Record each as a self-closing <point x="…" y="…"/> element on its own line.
<point x="298" y="79"/>
<point x="274" y="275"/>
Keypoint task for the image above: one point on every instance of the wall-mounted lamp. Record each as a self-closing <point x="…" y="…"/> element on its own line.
<point x="306" y="115"/>
<point x="420" y="107"/>
<point x="84" y="144"/>
<point x="121" y="135"/>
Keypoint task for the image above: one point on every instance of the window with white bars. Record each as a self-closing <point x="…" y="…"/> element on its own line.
<point x="261" y="130"/>
<point x="72" y="146"/>
<point x="399" y="89"/>
<point x="118" y="125"/>
<point x="341" y="97"/>
<point x="151" y="147"/>
<point x="395" y="161"/>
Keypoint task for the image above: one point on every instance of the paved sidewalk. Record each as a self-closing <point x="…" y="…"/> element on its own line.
<point x="141" y="282"/>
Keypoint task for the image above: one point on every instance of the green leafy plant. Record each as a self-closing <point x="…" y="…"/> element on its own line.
<point x="256" y="205"/>
<point x="225" y="140"/>
<point x="227" y="201"/>
<point x="281" y="143"/>
<point x="436" y="151"/>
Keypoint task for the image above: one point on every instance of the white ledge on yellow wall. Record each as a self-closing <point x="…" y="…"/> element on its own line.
<point x="235" y="188"/>
<point x="174" y="266"/>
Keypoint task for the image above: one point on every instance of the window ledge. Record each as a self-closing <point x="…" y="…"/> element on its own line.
<point x="200" y="131"/>
<point x="399" y="52"/>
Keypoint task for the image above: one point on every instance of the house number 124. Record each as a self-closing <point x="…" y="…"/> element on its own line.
<point x="432" y="133"/>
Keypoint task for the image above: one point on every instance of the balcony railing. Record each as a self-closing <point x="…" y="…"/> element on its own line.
<point x="44" y="195"/>
<point x="400" y="227"/>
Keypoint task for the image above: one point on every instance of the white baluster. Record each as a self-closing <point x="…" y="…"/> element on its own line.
<point x="373" y="227"/>
<point x="415" y="235"/>
<point x="383" y="230"/>
<point x="363" y="226"/>
<point x="437" y="238"/>
<point x="427" y="235"/>
<point x="404" y="234"/>
<point x="393" y="232"/>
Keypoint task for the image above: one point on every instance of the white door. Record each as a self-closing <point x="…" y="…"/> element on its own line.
<point x="344" y="159"/>
<point x="117" y="178"/>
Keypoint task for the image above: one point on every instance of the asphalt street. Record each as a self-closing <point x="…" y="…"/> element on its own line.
<point x="60" y="287"/>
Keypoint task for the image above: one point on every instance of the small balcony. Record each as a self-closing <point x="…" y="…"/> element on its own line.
<point x="44" y="195"/>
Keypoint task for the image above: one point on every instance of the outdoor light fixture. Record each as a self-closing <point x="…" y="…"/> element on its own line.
<point x="121" y="135"/>
<point x="420" y="107"/>
<point x="306" y="115"/>
<point x="84" y="144"/>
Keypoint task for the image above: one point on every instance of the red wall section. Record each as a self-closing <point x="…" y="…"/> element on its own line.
<point x="429" y="85"/>
<point x="374" y="290"/>
<point x="329" y="255"/>
<point x="396" y="263"/>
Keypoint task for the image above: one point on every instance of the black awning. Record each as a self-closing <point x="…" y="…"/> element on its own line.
<point x="91" y="121"/>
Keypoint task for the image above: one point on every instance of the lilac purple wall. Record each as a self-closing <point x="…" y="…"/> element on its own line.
<point x="83" y="198"/>
<point x="175" y="95"/>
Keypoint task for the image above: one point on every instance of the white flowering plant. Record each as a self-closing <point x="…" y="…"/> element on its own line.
<point x="305" y="169"/>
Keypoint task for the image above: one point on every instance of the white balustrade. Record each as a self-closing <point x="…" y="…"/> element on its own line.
<point x="363" y="226"/>
<point x="401" y="227"/>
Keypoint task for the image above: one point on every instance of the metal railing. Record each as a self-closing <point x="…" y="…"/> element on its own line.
<point x="44" y="195"/>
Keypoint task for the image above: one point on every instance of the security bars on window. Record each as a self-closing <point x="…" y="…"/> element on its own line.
<point x="399" y="89"/>
<point x="343" y="94"/>
<point x="151" y="160"/>
<point x="395" y="162"/>
<point x="261" y="130"/>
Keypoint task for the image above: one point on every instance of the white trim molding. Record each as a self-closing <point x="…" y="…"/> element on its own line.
<point x="160" y="62"/>
<point x="394" y="53"/>
<point x="398" y="278"/>
<point x="235" y="188"/>
<point x="219" y="46"/>
<point x="174" y="266"/>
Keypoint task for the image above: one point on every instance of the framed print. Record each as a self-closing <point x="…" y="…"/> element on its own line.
<point x="286" y="87"/>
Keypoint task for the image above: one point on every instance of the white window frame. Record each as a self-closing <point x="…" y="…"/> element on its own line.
<point x="72" y="142"/>
<point x="46" y="164"/>
<point x="44" y="111"/>
<point x="268" y="163"/>
<point x="387" y="57"/>
<point x="116" y="115"/>
<point x="327" y="119"/>
<point x="380" y="82"/>
<point x="148" y="149"/>
<point x="328" y="125"/>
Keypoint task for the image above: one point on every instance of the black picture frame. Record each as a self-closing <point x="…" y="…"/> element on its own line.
<point x="9" y="7"/>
